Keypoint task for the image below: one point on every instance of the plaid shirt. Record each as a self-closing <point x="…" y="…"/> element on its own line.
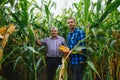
<point x="73" y="39"/>
<point x="52" y="46"/>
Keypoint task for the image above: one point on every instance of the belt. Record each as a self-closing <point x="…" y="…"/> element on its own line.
<point x="53" y="57"/>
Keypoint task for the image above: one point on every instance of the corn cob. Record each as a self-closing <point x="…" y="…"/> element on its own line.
<point x="10" y="29"/>
<point x="4" y="36"/>
<point x="63" y="49"/>
<point x="1" y="55"/>
<point x="2" y="30"/>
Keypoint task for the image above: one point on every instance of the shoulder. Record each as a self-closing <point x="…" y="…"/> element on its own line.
<point x="79" y="30"/>
<point x="60" y="37"/>
<point x="68" y="33"/>
<point x="46" y="39"/>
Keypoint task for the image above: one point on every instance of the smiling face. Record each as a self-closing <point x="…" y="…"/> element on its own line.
<point x="71" y="23"/>
<point x="54" y="32"/>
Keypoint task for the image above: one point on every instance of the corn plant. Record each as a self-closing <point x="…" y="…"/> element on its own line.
<point x="98" y="26"/>
<point x="101" y="25"/>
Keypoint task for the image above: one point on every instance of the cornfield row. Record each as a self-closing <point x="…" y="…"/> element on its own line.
<point x="22" y="59"/>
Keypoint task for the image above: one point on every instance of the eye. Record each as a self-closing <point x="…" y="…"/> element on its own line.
<point x="71" y="21"/>
<point x="68" y="22"/>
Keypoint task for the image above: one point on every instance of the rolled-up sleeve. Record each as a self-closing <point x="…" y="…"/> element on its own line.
<point x="44" y="41"/>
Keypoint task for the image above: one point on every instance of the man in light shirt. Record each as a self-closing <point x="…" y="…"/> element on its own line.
<point x="53" y="56"/>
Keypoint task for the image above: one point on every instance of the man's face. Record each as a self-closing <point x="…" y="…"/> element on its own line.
<point x="54" y="33"/>
<point x="71" y="23"/>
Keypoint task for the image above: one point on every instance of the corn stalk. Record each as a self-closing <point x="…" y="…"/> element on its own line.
<point x="76" y="49"/>
<point x="5" y="33"/>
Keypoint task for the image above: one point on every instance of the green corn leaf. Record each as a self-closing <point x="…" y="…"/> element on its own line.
<point x="38" y="63"/>
<point x="86" y="9"/>
<point x="76" y="5"/>
<point x="7" y="56"/>
<point x="111" y="7"/>
<point x="31" y="36"/>
<point x="79" y="48"/>
<point x="1" y="78"/>
<point x="93" y="67"/>
<point x="32" y="49"/>
<point x="98" y="8"/>
<point x="12" y="2"/>
<point x="108" y="2"/>
<point x="16" y="61"/>
<point x="47" y="11"/>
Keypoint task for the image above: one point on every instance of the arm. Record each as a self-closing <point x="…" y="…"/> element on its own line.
<point x="67" y="50"/>
<point x="41" y="42"/>
<point x="81" y="36"/>
<point x="64" y="43"/>
<point x="38" y="42"/>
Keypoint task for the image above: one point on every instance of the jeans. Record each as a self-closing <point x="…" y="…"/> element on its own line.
<point x="77" y="71"/>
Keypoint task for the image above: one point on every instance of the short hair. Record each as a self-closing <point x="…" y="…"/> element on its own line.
<point x="71" y="18"/>
<point x="54" y="28"/>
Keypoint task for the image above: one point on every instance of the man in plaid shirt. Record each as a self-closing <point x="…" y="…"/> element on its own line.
<point x="76" y="60"/>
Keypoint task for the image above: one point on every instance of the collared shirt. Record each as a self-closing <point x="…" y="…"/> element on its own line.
<point x="52" y="46"/>
<point x="73" y="39"/>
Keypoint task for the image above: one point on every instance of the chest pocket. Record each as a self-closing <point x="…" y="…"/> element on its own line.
<point x="77" y="35"/>
<point x="74" y="38"/>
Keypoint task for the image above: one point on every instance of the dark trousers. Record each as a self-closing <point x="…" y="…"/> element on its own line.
<point x="77" y="71"/>
<point x="51" y="66"/>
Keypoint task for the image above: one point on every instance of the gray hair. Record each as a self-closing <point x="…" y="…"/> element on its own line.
<point x="54" y="28"/>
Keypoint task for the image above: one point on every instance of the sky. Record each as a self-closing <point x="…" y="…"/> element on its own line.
<point x="61" y="4"/>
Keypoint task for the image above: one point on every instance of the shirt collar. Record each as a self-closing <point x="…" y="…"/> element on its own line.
<point x="55" y="38"/>
<point x="73" y="31"/>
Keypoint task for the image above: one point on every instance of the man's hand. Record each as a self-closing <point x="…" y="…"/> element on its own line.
<point x="64" y="49"/>
<point x="38" y="42"/>
<point x="67" y="50"/>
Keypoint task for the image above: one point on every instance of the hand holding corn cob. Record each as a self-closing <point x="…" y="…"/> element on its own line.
<point x="64" y="49"/>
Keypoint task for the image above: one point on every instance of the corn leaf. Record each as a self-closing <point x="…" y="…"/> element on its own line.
<point x="86" y="9"/>
<point x="31" y="36"/>
<point x="1" y="78"/>
<point x="93" y="67"/>
<point x="16" y="61"/>
<point x="111" y="7"/>
<point x="38" y="63"/>
<point x="79" y="48"/>
<point x="98" y="8"/>
<point x="7" y="56"/>
<point x="32" y="49"/>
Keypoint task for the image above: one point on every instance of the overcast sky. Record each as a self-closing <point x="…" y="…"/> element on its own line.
<point x="61" y="4"/>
